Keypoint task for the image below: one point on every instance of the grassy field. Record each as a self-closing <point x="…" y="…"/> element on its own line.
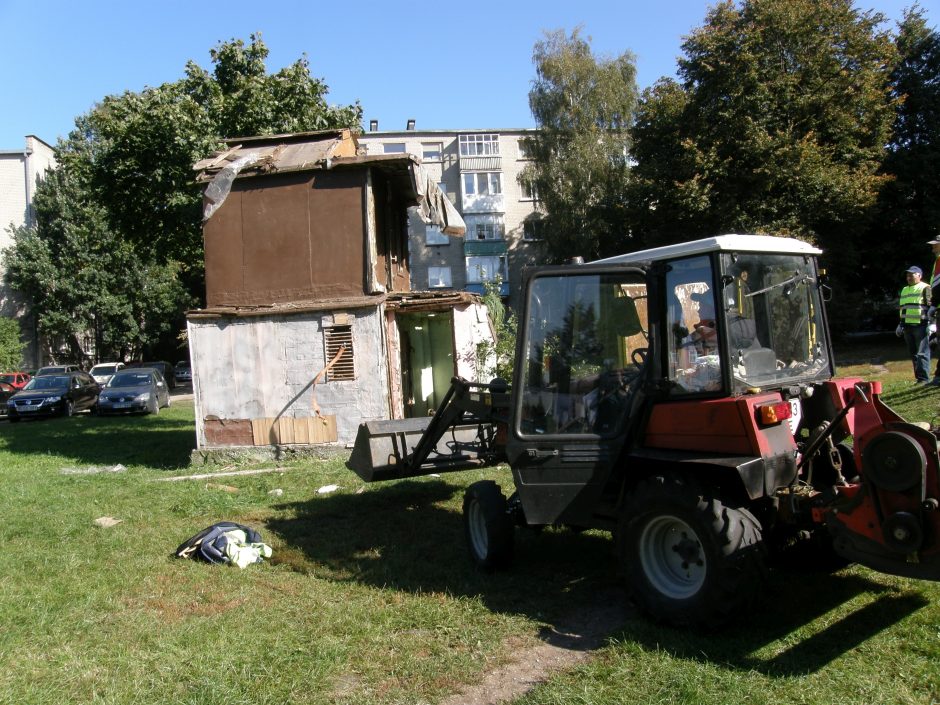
<point x="370" y="597"/>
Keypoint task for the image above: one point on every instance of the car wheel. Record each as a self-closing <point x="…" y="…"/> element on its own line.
<point x="689" y="559"/>
<point x="488" y="525"/>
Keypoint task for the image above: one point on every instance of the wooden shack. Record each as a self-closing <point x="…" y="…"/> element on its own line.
<point x="310" y="326"/>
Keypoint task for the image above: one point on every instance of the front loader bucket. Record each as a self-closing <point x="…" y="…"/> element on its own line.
<point x="384" y="449"/>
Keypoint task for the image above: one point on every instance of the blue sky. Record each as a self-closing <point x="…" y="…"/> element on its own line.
<point x="447" y="65"/>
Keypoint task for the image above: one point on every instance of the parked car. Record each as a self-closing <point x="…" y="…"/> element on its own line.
<point x="184" y="373"/>
<point x="56" y="370"/>
<point x="6" y="391"/>
<point x="163" y="367"/>
<point x="17" y="380"/>
<point x="136" y="390"/>
<point x="46" y="395"/>
<point x="104" y="371"/>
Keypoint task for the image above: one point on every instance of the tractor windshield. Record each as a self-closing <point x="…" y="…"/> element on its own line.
<point x="773" y="319"/>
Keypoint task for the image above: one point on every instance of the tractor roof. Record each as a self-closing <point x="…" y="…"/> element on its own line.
<point x="719" y="243"/>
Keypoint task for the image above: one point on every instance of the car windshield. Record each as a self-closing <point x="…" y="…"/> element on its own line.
<point x="130" y="379"/>
<point x="8" y="379"/>
<point x="103" y="370"/>
<point x="50" y="371"/>
<point x="48" y="382"/>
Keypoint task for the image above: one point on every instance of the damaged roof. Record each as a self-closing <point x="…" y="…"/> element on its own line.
<point x="322" y="150"/>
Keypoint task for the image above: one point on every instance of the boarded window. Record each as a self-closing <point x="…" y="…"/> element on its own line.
<point x="340" y="337"/>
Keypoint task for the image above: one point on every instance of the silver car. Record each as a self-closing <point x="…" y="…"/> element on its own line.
<point x="135" y="390"/>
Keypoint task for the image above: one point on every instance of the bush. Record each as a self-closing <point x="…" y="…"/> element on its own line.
<point x="11" y="346"/>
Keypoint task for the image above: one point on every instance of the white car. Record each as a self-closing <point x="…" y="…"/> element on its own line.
<point x="104" y="371"/>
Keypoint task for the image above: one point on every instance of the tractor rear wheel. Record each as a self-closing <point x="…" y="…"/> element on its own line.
<point x="689" y="558"/>
<point x="488" y="525"/>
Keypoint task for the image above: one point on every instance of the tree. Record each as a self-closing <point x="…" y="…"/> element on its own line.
<point x="909" y="207"/>
<point x="583" y="107"/>
<point x="118" y="246"/>
<point x="11" y="345"/>
<point x="779" y="125"/>
<point x="81" y="279"/>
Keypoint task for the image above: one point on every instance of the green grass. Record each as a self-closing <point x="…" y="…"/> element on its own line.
<point x="370" y="597"/>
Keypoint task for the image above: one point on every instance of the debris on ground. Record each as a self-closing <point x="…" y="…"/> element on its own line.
<point x="276" y="492"/>
<point x="224" y="488"/>
<point x="107" y="522"/>
<point x="210" y="475"/>
<point x="92" y="469"/>
<point x="226" y="543"/>
<point x="327" y="489"/>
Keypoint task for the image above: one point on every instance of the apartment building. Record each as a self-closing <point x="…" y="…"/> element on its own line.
<point x="20" y="171"/>
<point x="478" y="169"/>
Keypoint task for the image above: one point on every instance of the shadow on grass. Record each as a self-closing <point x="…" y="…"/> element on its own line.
<point x="161" y="442"/>
<point x="403" y="537"/>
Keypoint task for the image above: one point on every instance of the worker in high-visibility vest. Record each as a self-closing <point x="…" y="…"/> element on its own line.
<point x="935" y="289"/>
<point x="914" y="304"/>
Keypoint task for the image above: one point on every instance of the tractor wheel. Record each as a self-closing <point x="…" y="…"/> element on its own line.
<point x="488" y="525"/>
<point x="690" y="559"/>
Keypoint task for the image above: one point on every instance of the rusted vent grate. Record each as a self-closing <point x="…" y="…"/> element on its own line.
<point x="340" y="337"/>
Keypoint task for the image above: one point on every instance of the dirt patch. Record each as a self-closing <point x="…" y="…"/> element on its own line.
<point x="564" y="646"/>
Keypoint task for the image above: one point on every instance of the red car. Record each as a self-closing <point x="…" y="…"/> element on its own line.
<point x="17" y="380"/>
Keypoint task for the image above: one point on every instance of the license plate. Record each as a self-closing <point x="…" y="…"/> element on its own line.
<point x="122" y="405"/>
<point x="21" y="409"/>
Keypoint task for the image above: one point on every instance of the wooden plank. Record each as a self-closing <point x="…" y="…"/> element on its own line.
<point x="284" y="431"/>
<point x="261" y="432"/>
<point x="301" y="431"/>
<point x="323" y="428"/>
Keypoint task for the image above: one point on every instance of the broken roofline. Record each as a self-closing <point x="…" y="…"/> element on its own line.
<point x="403" y="301"/>
<point x="322" y="150"/>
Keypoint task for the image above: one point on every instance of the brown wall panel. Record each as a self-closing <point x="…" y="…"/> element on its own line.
<point x="287" y="237"/>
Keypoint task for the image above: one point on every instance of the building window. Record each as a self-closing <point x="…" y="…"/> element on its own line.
<point x="486" y="183"/>
<point x="533" y="230"/>
<point x="439" y="278"/>
<point x="431" y="151"/>
<point x="479" y="145"/>
<point x="529" y="192"/>
<point x="484" y="227"/>
<point x="335" y="339"/>
<point x="434" y="236"/>
<point x="485" y="269"/>
<point x="525" y="149"/>
<point x="393" y="148"/>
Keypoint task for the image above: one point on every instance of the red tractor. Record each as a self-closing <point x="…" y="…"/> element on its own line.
<point x="683" y="398"/>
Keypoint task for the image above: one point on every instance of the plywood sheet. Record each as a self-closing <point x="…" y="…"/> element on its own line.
<point x="291" y="431"/>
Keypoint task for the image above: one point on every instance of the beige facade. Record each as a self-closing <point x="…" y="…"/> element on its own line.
<point x="20" y="171"/>
<point x="478" y="170"/>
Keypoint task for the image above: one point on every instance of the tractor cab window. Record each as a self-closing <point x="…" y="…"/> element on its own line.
<point x="585" y="349"/>
<point x="693" y="339"/>
<point x="776" y="334"/>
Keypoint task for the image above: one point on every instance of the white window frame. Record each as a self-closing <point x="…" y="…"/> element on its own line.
<point x="484" y="227"/>
<point x="529" y="191"/>
<point x="436" y="150"/>
<point x="482" y="183"/>
<point x="434" y="236"/>
<point x="486" y="268"/>
<point x="479" y="145"/>
<point x="440" y="278"/>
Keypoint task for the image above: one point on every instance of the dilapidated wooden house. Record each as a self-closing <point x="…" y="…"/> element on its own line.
<point x="310" y="326"/>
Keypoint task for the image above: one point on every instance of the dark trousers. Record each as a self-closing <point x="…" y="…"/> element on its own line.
<point x="918" y="345"/>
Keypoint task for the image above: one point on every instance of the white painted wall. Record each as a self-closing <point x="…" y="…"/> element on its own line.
<point x="261" y="367"/>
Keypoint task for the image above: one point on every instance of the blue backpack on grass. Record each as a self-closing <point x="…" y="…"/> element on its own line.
<point x="226" y="543"/>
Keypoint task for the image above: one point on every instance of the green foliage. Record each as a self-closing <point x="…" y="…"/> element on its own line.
<point x="118" y="248"/>
<point x="908" y="212"/>
<point x="80" y="277"/>
<point x="583" y="107"/>
<point x="11" y="345"/>
<point x="497" y="359"/>
<point x="779" y="125"/>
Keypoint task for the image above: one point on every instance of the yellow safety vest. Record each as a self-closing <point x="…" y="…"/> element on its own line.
<point x="914" y="303"/>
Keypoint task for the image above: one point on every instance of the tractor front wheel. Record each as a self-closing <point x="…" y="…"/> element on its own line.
<point x="488" y="525"/>
<point x="690" y="559"/>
